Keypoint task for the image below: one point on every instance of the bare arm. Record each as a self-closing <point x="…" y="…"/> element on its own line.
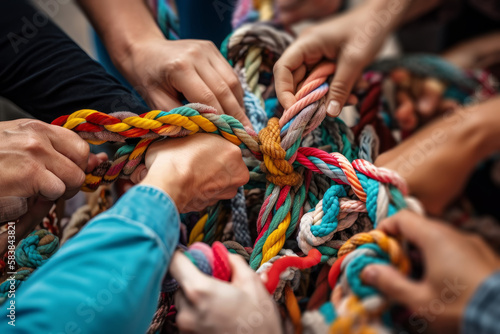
<point x="164" y="71"/>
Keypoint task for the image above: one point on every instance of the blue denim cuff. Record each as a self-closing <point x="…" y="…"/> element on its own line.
<point x="152" y="207"/>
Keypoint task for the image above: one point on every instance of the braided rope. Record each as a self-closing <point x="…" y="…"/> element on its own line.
<point x="343" y="190"/>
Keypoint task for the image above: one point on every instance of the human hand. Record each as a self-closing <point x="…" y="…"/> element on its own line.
<point x="207" y="305"/>
<point x="437" y="160"/>
<point x="162" y="71"/>
<point x="334" y="40"/>
<point x="196" y="171"/>
<point x="41" y="159"/>
<point x="419" y="100"/>
<point x="455" y="265"/>
<point x="293" y="11"/>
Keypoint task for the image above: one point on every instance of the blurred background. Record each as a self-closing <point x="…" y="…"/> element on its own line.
<point x="71" y="19"/>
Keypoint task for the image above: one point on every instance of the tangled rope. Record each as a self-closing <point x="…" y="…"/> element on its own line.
<point x="314" y="195"/>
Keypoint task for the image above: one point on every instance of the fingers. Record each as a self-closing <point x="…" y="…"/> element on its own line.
<point x="185" y="272"/>
<point x="95" y="160"/>
<point x="68" y="172"/>
<point x="346" y="75"/>
<point x="222" y="67"/>
<point x="194" y="88"/>
<point x="241" y="272"/>
<point x="159" y="99"/>
<point x="289" y="11"/>
<point x="291" y="60"/>
<point x="390" y="282"/>
<point x="70" y="145"/>
<point x="223" y="87"/>
<point x="186" y="318"/>
<point x="50" y="186"/>
<point x="420" y="231"/>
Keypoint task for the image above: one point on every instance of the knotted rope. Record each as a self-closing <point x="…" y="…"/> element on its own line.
<point x="310" y="164"/>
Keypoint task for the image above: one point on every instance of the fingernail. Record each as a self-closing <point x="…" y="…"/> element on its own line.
<point x="370" y="275"/>
<point x="333" y="109"/>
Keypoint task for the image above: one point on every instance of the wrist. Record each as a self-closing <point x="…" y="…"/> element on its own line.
<point x="131" y="47"/>
<point x="169" y="185"/>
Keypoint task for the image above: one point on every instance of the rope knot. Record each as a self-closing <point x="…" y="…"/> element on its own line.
<point x="35" y="249"/>
<point x="278" y="170"/>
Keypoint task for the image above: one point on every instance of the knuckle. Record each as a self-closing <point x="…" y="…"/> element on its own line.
<point x="223" y="90"/>
<point x="78" y="179"/>
<point x="243" y="177"/>
<point x="208" y="44"/>
<point x="33" y="144"/>
<point x="33" y="125"/>
<point x="233" y="83"/>
<point x="82" y="149"/>
<point x="340" y="87"/>
<point x="177" y="65"/>
<point x="207" y="96"/>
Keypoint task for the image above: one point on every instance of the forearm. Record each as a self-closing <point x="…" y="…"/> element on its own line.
<point x="394" y="13"/>
<point x="130" y="24"/>
<point x="438" y="160"/>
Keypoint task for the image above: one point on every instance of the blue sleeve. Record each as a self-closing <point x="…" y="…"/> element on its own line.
<point x="483" y="311"/>
<point x="46" y="74"/>
<point x="108" y="277"/>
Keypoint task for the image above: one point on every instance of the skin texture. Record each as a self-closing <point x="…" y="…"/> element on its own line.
<point x="445" y="252"/>
<point x="196" y="171"/>
<point x="352" y="49"/>
<point x="40" y="163"/>
<point x="437" y="161"/>
<point x="207" y="305"/>
<point x="480" y="52"/>
<point x="164" y="71"/>
<point x="41" y="159"/>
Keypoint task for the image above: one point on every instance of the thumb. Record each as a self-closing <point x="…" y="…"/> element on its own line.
<point x="345" y="77"/>
<point x="391" y="283"/>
